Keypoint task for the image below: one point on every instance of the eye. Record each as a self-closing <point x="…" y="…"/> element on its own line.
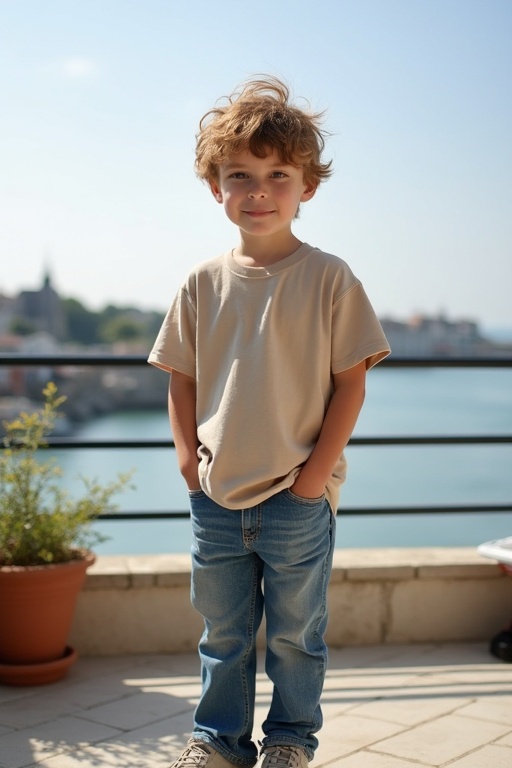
<point x="238" y="175"/>
<point x="279" y="175"/>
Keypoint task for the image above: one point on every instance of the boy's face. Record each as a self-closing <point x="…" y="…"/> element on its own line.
<point x="261" y="195"/>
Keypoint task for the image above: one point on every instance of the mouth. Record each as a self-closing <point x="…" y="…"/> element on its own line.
<point x="258" y="214"/>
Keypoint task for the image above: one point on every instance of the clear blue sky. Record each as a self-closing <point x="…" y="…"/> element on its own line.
<point x="100" y="101"/>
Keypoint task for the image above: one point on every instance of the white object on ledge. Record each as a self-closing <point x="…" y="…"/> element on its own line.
<point x="500" y="550"/>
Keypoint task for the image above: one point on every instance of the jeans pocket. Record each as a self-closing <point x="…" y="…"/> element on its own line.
<point x="305" y="502"/>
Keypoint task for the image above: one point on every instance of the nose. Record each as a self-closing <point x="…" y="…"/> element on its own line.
<point x="257" y="190"/>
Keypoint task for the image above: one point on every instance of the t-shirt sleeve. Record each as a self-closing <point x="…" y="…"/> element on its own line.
<point x="357" y="334"/>
<point x="175" y="345"/>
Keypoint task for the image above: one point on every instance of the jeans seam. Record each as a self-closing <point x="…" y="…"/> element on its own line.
<point x="249" y="646"/>
<point x="322" y="615"/>
<point x="325" y="569"/>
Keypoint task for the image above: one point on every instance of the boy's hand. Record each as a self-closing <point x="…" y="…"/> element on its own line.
<point x="340" y="419"/>
<point x="308" y="488"/>
<point x="192" y="480"/>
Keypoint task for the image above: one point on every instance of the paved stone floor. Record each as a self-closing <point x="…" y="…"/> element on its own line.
<point x="384" y="707"/>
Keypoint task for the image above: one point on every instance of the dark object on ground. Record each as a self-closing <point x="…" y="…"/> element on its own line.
<point x="501" y="645"/>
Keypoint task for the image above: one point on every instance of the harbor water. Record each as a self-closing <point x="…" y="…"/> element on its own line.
<point x="413" y="402"/>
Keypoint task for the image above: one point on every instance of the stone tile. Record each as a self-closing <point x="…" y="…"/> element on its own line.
<point x="166" y="737"/>
<point x="488" y="678"/>
<point x="439" y="685"/>
<point x="260" y="714"/>
<point x="497" y="709"/>
<point x="364" y="683"/>
<point x="177" y="665"/>
<point x="333" y="709"/>
<point x="384" y="707"/>
<point x="457" y="654"/>
<point x="408" y="658"/>
<point x="367" y="759"/>
<point x="99" y="758"/>
<point x="360" y="656"/>
<point x="89" y="692"/>
<point x="410" y="710"/>
<point x="25" y="747"/>
<point x="506" y="741"/>
<point x="464" y="675"/>
<point x="487" y="757"/>
<point x="8" y="693"/>
<point x="154" y="746"/>
<point x="154" y="679"/>
<point x="88" y="666"/>
<point x="188" y="693"/>
<point x="347" y="733"/>
<point x="441" y="740"/>
<point x="403" y="683"/>
<point x="101" y="680"/>
<point x="25" y="713"/>
<point x="135" y="711"/>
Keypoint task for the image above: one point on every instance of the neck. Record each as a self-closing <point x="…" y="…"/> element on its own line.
<point x="262" y="251"/>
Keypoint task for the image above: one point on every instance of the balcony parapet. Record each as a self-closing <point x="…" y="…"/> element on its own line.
<point x="376" y="596"/>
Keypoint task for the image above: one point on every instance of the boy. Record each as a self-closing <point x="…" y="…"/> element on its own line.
<point x="268" y="347"/>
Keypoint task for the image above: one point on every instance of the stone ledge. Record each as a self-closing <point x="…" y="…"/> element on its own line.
<point x="354" y="565"/>
<point x="138" y="572"/>
<point x="142" y="604"/>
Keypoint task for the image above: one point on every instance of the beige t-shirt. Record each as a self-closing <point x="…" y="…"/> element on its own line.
<point x="262" y="344"/>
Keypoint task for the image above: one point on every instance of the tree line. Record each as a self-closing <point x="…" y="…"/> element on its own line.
<point x="86" y="327"/>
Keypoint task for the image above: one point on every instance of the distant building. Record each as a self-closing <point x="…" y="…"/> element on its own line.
<point x="437" y="337"/>
<point x="11" y="379"/>
<point x="7" y="305"/>
<point x="42" y="309"/>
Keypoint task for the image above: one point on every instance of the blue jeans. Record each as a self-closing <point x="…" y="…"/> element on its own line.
<point x="277" y="557"/>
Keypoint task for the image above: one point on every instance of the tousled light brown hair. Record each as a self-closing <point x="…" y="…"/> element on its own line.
<point x="259" y="116"/>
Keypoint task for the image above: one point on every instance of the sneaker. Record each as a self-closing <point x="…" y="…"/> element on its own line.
<point x="198" y="754"/>
<point x="284" y="756"/>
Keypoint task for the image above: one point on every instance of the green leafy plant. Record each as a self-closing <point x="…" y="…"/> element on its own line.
<point x="40" y="523"/>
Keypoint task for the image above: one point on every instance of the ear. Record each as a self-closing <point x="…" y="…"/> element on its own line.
<point x="308" y="193"/>
<point x="215" y="190"/>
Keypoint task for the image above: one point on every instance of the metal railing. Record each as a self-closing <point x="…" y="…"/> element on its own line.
<point x="64" y="443"/>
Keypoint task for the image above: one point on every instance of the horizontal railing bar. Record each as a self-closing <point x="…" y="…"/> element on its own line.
<point x="63" y="360"/>
<point x="136" y="360"/>
<point x="73" y="443"/>
<point x="432" y="440"/>
<point x="352" y="511"/>
<point x="14" y="360"/>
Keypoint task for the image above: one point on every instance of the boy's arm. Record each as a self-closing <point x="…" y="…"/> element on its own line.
<point x="182" y="415"/>
<point x="340" y="420"/>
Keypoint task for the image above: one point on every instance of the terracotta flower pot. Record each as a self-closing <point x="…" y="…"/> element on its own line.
<point x="37" y="604"/>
